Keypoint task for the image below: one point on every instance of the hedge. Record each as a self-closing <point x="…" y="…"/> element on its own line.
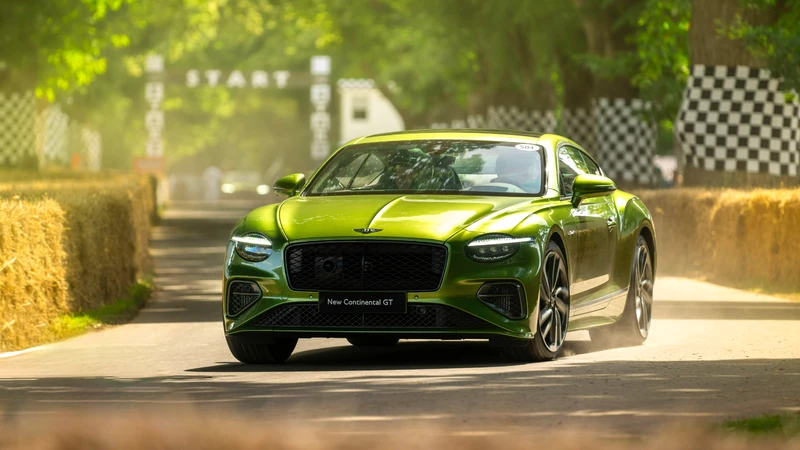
<point x="68" y="246"/>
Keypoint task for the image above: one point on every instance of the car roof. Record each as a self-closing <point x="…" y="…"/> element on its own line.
<point x="465" y="134"/>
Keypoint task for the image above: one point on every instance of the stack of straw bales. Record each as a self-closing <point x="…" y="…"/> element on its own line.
<point x="743" y="238"/>
<point x="68" y="246"/>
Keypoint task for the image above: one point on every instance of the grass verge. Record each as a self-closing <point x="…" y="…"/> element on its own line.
<point x="114" y="313"/>
<point x="784" y="425"/>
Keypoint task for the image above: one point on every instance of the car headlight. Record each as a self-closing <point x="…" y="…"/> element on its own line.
<point x="494" y="247"/>
<point x="252" y="246"/>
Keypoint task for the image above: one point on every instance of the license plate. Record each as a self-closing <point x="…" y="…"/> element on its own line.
<point x="362" y="302"/>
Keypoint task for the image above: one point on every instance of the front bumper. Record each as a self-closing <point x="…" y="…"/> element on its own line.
<point x="451" y="312"/>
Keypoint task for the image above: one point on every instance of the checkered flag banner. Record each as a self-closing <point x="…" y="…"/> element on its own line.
<point x="625" y="139"/>
<point x="579" y="125"/>
<point x="736" y="119"/>
<point x="505" y="118"/>
<point x="53" y="143"/>
<point x="476" y="121"/>
<point x="17" y="128"/>
<point x="91" y="149"/>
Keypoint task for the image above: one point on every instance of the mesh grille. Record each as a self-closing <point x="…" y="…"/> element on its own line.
<point x="241" y="294"/>
<point x="307" y="315"/>
<point x="505" y="297"/>
<point x="357" y="266"/>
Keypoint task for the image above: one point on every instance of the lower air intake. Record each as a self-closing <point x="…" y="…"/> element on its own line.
<point x="241" y="294"/>
<point x="505" y="297"/>
<point x="422" y="317"/>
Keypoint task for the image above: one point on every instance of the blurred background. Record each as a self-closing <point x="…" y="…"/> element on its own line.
<point x="197" y="89"/>
<point x="135" y="133"/>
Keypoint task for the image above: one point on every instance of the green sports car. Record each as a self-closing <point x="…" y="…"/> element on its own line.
<point x="510" y="237"/>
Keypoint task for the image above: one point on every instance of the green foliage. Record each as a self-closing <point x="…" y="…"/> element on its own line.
<point x="434" y="59"/>
<point x="662" y="52"/>
<point x="777" y="42"/>
<point x="56" y="45"/>
<point x="658" y="63"/>
<point x="786" y="425"/>
<point x="117" y="312"/>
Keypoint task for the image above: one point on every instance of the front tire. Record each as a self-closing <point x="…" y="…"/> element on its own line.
<point x="273" y="351"/>
<point x="553" y="317"/>
<point x="373" y="341"/>
<point x="633" y="326"/>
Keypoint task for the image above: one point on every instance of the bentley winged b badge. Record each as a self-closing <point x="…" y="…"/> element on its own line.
<point x="367" y="230"/>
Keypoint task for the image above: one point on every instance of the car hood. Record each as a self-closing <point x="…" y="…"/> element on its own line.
<point x="428" y="217"/>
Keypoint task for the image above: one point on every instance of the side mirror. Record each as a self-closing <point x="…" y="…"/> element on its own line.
<point x="289" y="185"/>
<point x="588" y="186"/>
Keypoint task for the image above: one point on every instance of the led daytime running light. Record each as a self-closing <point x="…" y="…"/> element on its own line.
<point x="252" y="240"/>
<point x="498" y="241"/>
<point x="252" y="247"/>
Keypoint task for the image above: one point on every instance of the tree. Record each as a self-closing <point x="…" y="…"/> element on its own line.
<point x="55" y="45"/>
<point x="770" y="30"/>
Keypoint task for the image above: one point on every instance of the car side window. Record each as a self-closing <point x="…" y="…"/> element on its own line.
<point x="570" y="165"/>
<point x="591" y="166"/>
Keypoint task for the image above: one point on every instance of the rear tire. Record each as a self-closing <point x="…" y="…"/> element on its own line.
<point x="633" y="326"/>
<point x="373" y="341"/>
<point x="274" y="351"/>
<point x="553" y="312"/>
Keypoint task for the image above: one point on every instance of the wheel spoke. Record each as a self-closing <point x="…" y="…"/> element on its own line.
<point x="554" y="276"/>
<point x="545" y="315"/>
<point x="545" y="284"/>
<point x="546" y="329"/>
<point x="644" y="261"/>
<point x="557" y="340"/>
<point x="647" y="290"/>
<point x="645" y="317"/>
<point x="561" y="304"/>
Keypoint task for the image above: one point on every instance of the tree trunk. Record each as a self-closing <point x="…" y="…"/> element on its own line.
<point x="578" y="83"/>
<point x="606" y="38"/>
<point x="709" y="45"/>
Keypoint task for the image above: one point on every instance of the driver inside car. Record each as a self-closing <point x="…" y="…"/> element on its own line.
<point x="413" y="169"/>
<point x="519" y="170"/>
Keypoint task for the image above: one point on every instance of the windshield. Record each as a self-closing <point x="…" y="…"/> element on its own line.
<point x="433" y="167"/>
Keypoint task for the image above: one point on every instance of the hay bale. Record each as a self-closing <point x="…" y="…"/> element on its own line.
<point x="737" y="237"/>
<point x="103" y="229"/>
<point x="33" y="288"/>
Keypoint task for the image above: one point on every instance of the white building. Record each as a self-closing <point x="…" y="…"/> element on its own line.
<point x="365" y="110"/>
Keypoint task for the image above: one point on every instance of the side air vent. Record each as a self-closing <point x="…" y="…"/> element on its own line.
<point x="504" y="297"/>
<point x="241" y="295"/>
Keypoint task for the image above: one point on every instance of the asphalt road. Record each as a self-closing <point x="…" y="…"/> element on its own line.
<point x="713" y="353"/>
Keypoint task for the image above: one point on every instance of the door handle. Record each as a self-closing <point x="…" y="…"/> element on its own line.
<point x="612" y="222"/>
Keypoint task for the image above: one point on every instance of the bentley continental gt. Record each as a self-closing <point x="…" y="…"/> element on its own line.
<point x="509" y="237"/>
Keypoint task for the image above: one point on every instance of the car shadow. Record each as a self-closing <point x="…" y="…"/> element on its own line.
<point x="404" y="356"/>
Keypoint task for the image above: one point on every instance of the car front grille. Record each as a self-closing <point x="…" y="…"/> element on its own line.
<point x="359" y="266"/>
<point x="426" y="316"/>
